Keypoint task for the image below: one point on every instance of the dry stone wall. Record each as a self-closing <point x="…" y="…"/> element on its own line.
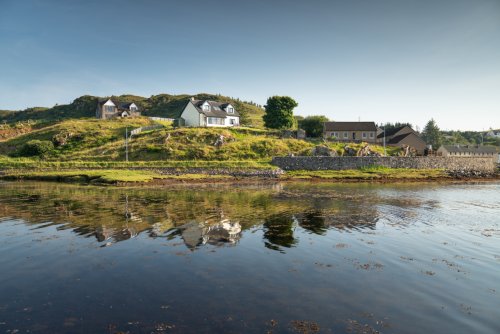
<point x="453" y="164"/>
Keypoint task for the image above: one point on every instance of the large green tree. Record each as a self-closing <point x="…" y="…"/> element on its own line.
<point x="279" y="112"/>
<point x="313" y="125"/>
<point x="432" y="135"/>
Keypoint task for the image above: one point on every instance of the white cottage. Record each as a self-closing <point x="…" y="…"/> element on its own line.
<point x="209" y="113"/>
<point x="108" y="108"/>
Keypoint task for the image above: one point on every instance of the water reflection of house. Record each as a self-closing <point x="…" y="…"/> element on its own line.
<point x="113" y="235"/>
<point x="221" y="233"/>
<point x="159" y="228"/>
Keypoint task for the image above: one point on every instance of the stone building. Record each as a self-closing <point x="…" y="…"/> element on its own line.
<point x="468" y="151"/>
<point x="401" y="136"/>
<point x="351" y="131"/>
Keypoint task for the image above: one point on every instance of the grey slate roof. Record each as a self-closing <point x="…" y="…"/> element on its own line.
<point x="397" y="139"/>
<point x="350" y="126"/>
<point x="390" y="132"/>
<point x="470" y="149"/>
<point x="118" y="104"/>
<point x="102" y="101"/>
<point x="216" y="108"/>
<point x="126" y="105"/>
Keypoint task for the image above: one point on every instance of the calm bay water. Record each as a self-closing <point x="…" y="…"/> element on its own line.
<point x="282" y="258"/>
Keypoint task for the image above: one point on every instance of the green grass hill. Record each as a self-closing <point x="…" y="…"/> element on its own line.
<point x="162" y="105"/>
<point x="103" y="140"/>
<point x="69" y="135"/>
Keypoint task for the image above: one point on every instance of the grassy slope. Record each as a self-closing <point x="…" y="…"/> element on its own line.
<point x="95" y="150"/>
<point x="163" y="105"/>
<point x="103" y="141"/>
<point x="82" y="134"/>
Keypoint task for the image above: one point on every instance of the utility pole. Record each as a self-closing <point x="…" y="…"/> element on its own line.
<point x="126" y="144"/>
<point x="385" y="153"/>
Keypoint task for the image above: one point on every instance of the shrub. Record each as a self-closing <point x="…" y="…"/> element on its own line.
<point x="39" y="148"/>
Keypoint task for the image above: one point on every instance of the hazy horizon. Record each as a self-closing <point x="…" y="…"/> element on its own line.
<point x="382" y="61"/>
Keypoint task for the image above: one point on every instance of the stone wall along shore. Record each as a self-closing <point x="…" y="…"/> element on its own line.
<point x="452" y="164"/>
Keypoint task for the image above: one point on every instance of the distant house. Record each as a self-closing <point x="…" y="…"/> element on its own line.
<point x="468" y="151"/>
<point x="209" y="113"/>
<point x="109" y="108"/>
<point x="351" y="131"/>
<point x="403" y="135"/>
<point x="493" y="134"/>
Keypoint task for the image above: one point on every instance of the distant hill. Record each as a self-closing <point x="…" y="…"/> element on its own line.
<point x="162" y="105"/>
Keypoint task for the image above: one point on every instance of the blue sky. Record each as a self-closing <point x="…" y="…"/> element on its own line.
<point x="380" y="60"/>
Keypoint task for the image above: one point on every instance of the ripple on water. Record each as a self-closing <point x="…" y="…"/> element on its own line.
<point x="310" y="258"/>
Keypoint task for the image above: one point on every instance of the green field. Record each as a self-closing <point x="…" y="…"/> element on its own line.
<point x="101" y="143"/>
<point x="65" y="143"/>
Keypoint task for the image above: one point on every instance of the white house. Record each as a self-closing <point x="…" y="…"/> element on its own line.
<point x="109" y="108"/>
<point x="209" y="113"/>
<point x="493" y="134"/>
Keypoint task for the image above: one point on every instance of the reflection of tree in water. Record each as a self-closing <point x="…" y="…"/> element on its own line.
<point x="313" y="221"/>
<point x="279" y="232"/>
<point x="112" y="215"/>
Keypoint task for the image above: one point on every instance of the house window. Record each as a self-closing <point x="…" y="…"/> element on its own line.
<point x="371" y="135"/>
<point x="133" y="108"/>
<point x="346" y="135"/>
<point x="216" y="120"/>
<point x="336" y="134"/>
<point x="230" y="110"/>
<point x="364" y="134"/>
<point x="206" y="107"/>
<point x="110" y="108"/>
<point x="231" y="121"/>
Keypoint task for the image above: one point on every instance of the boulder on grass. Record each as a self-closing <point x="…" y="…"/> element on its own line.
<point x="323" y="151"/>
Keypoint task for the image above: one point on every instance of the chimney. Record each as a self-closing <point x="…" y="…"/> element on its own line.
<point x="192" y="98"/>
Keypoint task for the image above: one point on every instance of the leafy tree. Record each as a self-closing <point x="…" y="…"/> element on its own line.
<point x="432" y="135"/>
<point x="454" y="137"/>
<point x="313" y="125"/>
<point x="279" y="112"/>
<point x="298" y="118"/>
<point x="39" y="148"/>
<point x="389" y="126"/>
<point x="278" y="232"/>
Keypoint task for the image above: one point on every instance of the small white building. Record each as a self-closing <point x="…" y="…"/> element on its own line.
<point x="468" y="151"/>
<point x="209" y="113"/>
<point x="493" y="134"/>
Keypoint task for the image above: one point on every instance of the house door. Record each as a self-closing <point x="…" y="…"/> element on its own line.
<point x="353" y="135"/>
